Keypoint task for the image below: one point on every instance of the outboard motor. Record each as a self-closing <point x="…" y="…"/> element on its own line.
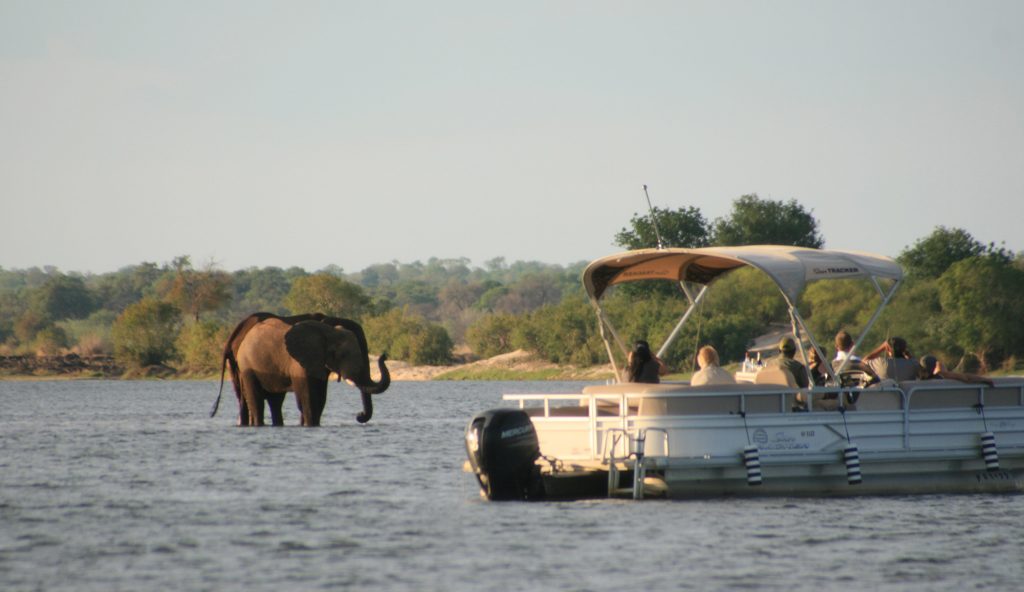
<point x="502" y="447"/>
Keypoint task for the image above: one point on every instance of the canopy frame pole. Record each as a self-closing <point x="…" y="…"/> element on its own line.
<point x="886" y="297"/>
<point x="694" y="303"/>
<point x="602" y="324"/>
<point x="798" y="324"/>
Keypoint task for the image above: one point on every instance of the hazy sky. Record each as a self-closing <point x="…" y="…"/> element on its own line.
<point x="350" y="133"/>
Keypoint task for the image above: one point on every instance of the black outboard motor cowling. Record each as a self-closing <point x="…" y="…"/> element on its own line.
<point x="502" y="447"/>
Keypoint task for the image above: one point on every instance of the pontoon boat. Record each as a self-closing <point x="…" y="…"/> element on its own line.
<point x="680" y="441"/>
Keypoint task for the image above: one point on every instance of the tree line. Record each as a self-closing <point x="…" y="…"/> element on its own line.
<point x="961" y="301"/>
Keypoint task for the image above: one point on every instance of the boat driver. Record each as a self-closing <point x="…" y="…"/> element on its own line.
<point x="787" y="347"/>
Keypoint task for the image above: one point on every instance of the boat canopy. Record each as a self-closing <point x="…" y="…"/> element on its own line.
<point x="791" y="268"/>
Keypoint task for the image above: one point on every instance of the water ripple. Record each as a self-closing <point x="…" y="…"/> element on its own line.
<point x="142" y="491"/>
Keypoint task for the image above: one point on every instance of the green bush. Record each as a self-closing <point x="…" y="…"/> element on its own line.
<point x="50" y="341"/>
<point x="565" y="333"/>
<point x="91" y="335"/>
<point x="145" y="333"/>
<point x="409" y="338"/>
<point x="493" y="334"/>
<point x="200" y="346"/>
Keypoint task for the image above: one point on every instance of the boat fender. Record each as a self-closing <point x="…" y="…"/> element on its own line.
<point x="851" y="456"/>
<point x="989" y="451"/>
<point x="502" y="448"/>
<point x="752" y="460"/>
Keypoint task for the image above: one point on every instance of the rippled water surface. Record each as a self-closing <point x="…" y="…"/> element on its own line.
<point x="113" y="485"/>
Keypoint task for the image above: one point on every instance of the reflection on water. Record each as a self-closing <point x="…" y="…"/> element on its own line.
<point x="112" y="485"/>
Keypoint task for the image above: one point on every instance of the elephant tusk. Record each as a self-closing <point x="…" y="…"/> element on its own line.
<point x="349" y="382"/>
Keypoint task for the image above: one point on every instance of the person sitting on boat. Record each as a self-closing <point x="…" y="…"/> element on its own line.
<point x="643" y="365"/>
<point x="710" y="372"/>
<point x="892" y="360"/>
<point x="787" y="347"/>
<point x="932" y="368"/>
<point x="814" y="366"/>
<point x="844" y="343"/>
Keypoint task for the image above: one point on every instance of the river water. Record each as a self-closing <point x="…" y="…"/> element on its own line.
<point x="119" y="485"/>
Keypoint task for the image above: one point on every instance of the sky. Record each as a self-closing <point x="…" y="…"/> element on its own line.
<point x="346" y="133"/>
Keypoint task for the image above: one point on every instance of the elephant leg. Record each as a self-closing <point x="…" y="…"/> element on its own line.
<point x="254" y="395"/>
<point x="275" y="401"/>
<point x="311" y="395"/>
<point x="318" y="398"/>
<point x="243" y="407"/>
<point x="243" y="411"/>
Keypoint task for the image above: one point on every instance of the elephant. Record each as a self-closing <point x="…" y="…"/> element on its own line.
<point x="270" y="355"/>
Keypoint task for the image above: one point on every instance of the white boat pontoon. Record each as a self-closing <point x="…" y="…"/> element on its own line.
<point x="679" y="441"/>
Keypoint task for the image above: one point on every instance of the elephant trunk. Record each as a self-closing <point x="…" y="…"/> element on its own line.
<point x="370" y="388"/>
<point x="367" y="412"/>
<point x="375" y="388"/>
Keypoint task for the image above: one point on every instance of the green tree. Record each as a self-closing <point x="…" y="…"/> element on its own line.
<point x="258" y="290"/>
<point x="116" y="291"/>
<point x="63" y="297"/>
<point x="197" y="291"/>
<point x="145" y="333"/>
<point x="28" y="325"/>
<point x="328" y="294"/>
<point x="932" y="255"/>
<point x="982" y="306"/>
<point x="682" y="227"/>
<point x="755" y="221"/>
<point x="830" y="306"/>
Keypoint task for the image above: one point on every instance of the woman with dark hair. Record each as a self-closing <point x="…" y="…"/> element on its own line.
<point x="644" y="366"/>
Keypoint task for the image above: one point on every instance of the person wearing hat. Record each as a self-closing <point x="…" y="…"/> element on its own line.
<point x="787" y="347"/>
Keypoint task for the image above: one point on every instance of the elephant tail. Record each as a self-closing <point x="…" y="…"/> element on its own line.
<point x="216" y="403"/>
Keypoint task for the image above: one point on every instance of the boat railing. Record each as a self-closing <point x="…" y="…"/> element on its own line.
<point x="925" y="403"/>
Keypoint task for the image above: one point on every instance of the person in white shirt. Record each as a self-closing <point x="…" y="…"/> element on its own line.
<point x="844" y="343"/>
<point x="710" y="372"/>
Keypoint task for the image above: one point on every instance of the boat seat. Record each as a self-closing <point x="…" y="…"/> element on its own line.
<point x="880" y="400"/>
<point x="569" y="411"/>
<point x="692" y="405"/>
<point x="953" y="393"/>
<point x="774" y="375"/>
<point x="940" y="394"/>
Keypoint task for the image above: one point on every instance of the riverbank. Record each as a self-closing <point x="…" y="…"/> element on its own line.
<point x="517" y="365"/>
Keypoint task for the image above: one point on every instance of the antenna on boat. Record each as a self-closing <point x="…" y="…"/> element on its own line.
<point x="654" y="220"/>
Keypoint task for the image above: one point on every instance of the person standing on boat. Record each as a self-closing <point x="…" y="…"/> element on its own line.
<point x="710" y="372"/>
<point x="787" y="347"/>
<point x="932" y="368"/>
<point x="643" y="365"/>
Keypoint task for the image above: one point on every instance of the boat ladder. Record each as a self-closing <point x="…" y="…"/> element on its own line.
<point x="635" y="457"/>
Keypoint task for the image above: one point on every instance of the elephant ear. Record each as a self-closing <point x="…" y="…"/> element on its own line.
<point x="352" y="326"/>
<point x="307" y="343"/>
